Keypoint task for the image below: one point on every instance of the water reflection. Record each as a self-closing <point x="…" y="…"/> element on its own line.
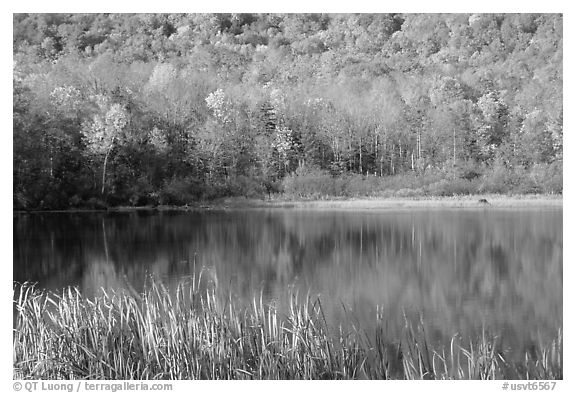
<point x="463" y="269"/>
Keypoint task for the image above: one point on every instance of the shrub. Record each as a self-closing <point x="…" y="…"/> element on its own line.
<point x="216" y="189"/>
<point x="540" y="178"/>
<point x="548" y="177"/>
<point x="353" y="186"/>
<point x="142" y="193"/>
<point x="499" y="180"/>
<point x="74" y="201"/>
<point x="19" y="201"/>
<point x="450" y="187"/>
<point x="313" y="182"/>
<point x="95" y="204"/>
<point x="180" y="191"/>
<point x="341" y="185"/>
<point x="359" y="185"/>
<point x="54" y="199"/>
<point x="527" y="185"/>
<point x="246" y="186"/>
<point x="469" y="170"/>
<point x="408" y="193"/>
<point x="412" y="180"/>
<point x="310" y="182"/>
<point x="403" y="181"/>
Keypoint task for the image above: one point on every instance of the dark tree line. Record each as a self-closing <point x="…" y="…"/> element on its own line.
<point x="144" y="109"/>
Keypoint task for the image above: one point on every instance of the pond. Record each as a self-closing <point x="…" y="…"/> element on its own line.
<point x="461" y="270"/>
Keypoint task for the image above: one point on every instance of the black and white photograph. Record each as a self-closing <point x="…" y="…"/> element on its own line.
<point x="287" y="196"/>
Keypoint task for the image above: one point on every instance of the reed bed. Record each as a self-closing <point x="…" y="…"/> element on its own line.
<point x="194" y="333"/>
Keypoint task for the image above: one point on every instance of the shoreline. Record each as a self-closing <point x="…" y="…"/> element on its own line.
<point x="471" y="201"/>
<point x="361" y="203"/>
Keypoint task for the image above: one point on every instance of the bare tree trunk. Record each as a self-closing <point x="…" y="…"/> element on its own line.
<point x="375" y="153"/>
<point x="350" y="155"/>
<point x="382" y="159"/>
<point x="419" y="144"/>
<point x="360" y="148"/>
<point x="104" y="174"/>
<point x="454" y="157"/>
<point x="51" y="159"/>
<point x="104" y="167"/>
<point x="392" y="160"/>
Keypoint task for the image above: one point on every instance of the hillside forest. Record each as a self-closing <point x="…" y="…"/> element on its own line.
<point x="171" y="109"/>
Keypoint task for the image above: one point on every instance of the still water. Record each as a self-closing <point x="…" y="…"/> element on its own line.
<point x="462" y="270"/>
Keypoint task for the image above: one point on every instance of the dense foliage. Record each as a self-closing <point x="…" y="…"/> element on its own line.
<point x="157" y="108"/>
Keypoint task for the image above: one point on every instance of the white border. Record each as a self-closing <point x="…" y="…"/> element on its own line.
<point x="297" y="6"/>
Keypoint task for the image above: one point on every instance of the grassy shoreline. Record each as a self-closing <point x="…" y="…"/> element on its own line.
<point x="194" y="333"/>
<point x="469" y="201"/>
<point x="364" y="203"/>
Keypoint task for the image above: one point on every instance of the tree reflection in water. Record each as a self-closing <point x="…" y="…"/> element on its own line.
<point x="462" y="269"/>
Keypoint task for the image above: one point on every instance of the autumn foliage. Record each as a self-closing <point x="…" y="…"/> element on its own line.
<point x="118" y="109"/>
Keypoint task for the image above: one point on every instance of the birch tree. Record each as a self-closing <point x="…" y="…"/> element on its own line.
<point x="102" y="133"/>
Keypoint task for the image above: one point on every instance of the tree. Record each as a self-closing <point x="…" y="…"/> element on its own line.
<point x="491" y="123"/>
<point x="164" y="98"/>
<point x="103" y="131"/>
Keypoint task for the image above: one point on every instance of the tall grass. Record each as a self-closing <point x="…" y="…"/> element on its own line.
<point x="191" y="332"/>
